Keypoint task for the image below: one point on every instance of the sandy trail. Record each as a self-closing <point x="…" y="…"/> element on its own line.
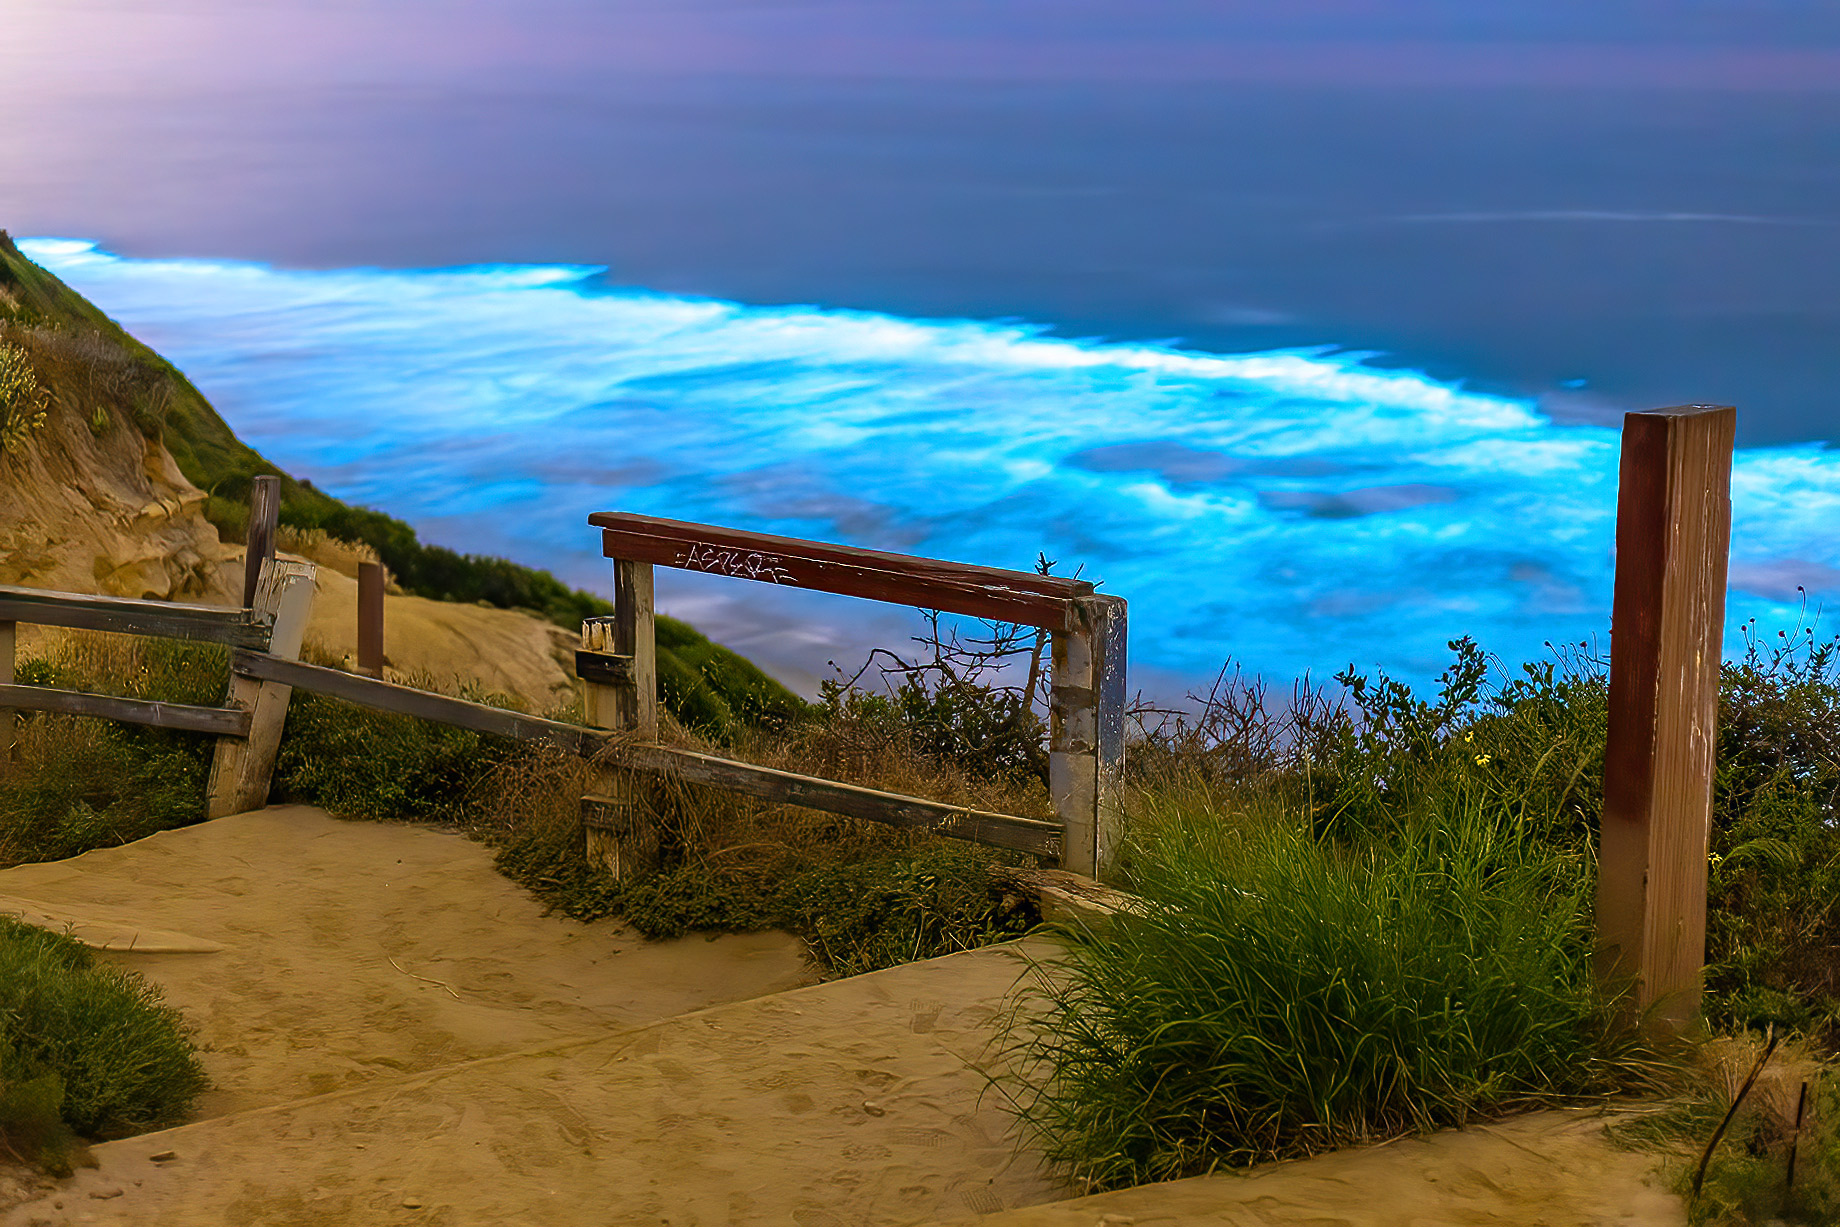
<point x="327" y="925"/>
<point x="508" y="1068"/>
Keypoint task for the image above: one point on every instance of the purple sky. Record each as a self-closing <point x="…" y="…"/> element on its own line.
<point x="94" y="46"/>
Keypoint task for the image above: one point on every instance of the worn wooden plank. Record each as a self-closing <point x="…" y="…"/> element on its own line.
<point x="209" y="623"/>
<point x="830" y="796"/>
<point x="635" y="634"/>
<point x="425" y="704"/>
<point x="1667" y="625"/>
<point x="604" y="668"/>
<point x="259" y="537"/>
<point x="983" y="592"/>
<point x="370" y="619"/>
<point x="241" y="767"/>
<point x="225" y="721"/>
<point x="8" y="721"/>
<point x="766" y="783"/>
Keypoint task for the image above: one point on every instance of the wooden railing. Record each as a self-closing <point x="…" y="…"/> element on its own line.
<point x="247" y="725"/>
<point x="617" y="664"/>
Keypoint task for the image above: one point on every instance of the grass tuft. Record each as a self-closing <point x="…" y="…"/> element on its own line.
<point x="1284" y="992"/>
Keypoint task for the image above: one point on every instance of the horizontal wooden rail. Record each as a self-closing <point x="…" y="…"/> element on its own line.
<point x="408" y="701"/>
<point x="892" y="809"/>
<point x="224" y="721"/>
<point x="766" y="783"/>
<point x="210" y="623"/>
<point x="983" y="592"/>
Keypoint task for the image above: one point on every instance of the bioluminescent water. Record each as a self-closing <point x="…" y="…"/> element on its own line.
<point x="1295" y="511"/>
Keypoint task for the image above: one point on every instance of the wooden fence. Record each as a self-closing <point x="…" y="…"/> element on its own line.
<point x="247" y="725"/>
<point x="618" y="667"/>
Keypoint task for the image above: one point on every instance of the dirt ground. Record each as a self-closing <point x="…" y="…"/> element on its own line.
<point x="398" y="1035"/>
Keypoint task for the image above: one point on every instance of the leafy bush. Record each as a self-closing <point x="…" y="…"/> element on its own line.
<point x="91" y="1039"/>
<point x="1283" y="992"/>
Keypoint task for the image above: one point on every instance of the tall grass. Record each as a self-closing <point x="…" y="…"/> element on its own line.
<point x="1284" y="992"/>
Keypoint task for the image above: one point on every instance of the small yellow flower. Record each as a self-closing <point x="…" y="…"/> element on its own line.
<point x="1482" y="760"/>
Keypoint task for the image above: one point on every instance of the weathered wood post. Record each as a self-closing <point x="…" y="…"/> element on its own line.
<point x="241" y="767"/>
<point x="1673" y="535"/>
<point x="618" y="667"/>
<point x="1086" y="733"/>
<point x="264" y="516"/>
<point x="8" y="717"/>
<point x="370" y="619"/>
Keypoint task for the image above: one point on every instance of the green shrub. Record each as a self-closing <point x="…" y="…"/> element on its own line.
<point x="858" y="910"/>
<point x="1284" y="992"/>
<point x="93" y="1040"/>
<point x="361" y="763"/>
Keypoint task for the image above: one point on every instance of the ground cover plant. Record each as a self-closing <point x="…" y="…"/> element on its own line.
<point x="87" y="1051"/>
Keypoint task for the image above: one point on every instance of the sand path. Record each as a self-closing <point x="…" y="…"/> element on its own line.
<point x="508" y="1068"/>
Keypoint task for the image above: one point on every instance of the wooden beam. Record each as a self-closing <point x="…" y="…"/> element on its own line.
<point x="370" y="619"/>
<point x="224" y="721"/>
<point x="1673" y="533"/>
<point x="1086" y="734"/>
<point x="259" y="537"/>
<point x="209" y="623"/>
<point x="425" y="704"/>
<point x="766" y="783"/>
<point x="8" y="721"/>
<point x="902" y="579"/>
<point x="242" y="767"/>
<point x="830" y="796"/>
<point x="604" y="668"/>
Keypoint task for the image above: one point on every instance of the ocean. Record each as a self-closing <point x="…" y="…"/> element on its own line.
<point x="1294" y="510"/>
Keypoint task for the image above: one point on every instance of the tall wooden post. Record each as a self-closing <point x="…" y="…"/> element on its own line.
<point x="370" y="619"/>
<point x="242" y="766"/>
<point x="1673" y="536"/>
<point x="8" y="717"/>
<point x="618" y="665"/>
<point x="259" y="538"/>
<point x="1086" y="733"/>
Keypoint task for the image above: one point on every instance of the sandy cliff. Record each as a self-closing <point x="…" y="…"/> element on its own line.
<point x="105" y="510"/>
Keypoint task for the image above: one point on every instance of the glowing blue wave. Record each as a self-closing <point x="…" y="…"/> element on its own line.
<point x="1295" y="510"/>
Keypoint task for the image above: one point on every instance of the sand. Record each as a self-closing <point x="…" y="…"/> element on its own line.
<point x="398" y="1035"/>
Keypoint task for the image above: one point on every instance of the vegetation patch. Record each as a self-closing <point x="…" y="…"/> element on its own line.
<point x="79" y="783"/>
<point x="1284" y="992"/>
<point x="86" y="1050"/>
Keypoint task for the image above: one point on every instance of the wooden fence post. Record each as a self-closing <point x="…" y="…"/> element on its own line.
<point x="1086" y="733"/>
<point x="264" y="516"/>
<point x="1673" y="535"/>
<point x="618" y="665"/>
<point x="241" y="767"/>
<point x="8" y="718"/>
<point x="370" y="619"/>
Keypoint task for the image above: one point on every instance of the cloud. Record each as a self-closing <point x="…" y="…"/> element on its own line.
<point x="1783" y="579"/>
